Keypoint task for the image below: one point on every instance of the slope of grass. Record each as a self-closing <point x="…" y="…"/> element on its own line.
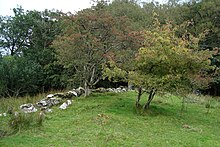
<point x="112" y="120"/>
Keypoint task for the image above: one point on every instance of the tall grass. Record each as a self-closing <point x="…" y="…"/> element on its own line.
<point x="16" y="120"/>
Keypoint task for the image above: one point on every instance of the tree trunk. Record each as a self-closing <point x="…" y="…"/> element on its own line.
<point x="150" y="98"/>
<point x="139" y="96"/>
<point x="87" y="89"/>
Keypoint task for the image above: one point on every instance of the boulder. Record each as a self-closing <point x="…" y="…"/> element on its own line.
<point x="50" y="95"/>
<point x="28" y="108"/>
<point x="54" y="101"/>
<point x="60" y="95"/>
<point x="80" y="91"/>
<point x="42" y="103"/>
<point x="110" y="89"/>
<point x="69" y="102"/>
<point x="72" y="93"/>
<point x="65" y="104"/>
<point x="49" y="102"/>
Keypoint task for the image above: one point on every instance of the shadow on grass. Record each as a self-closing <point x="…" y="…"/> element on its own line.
<point x="124" y="104"/>
<point x="127" y="107"/>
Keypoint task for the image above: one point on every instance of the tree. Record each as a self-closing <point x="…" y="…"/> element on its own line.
<point x="45" y="26"/>
<point x="203" y="17"/>
<point x="131" y="9"/>
<point x="19" y="76"/>
<point x="88" y="38"/>
<point x="14" y="32"/>
<point x="28" y="36"/>
<point x="166" y="63"/>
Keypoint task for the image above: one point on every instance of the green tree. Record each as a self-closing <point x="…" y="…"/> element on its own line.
<point x="14" y="32"/>
<point x="45" y="26"/>
<point x="203" y="17"/>
<point x="19" y="76"/>
<point x="132" y="10"/>
<point x="28" y="35"/>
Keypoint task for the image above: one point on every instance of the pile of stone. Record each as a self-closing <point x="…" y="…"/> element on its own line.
<point x="52" y="100"/>
<point x="115" y="90"/>
<point x="64" y="98"/>
<point x="55" y="99"/>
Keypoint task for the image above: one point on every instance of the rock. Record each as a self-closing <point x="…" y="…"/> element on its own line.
<point x="110" y="90"/>
<point x="72" y="93"/>
<point x="28" y="108"/>
<point x="50" y="95"/>
<point x="116" y="90"/>
<point x="80" y="91"/>
<point x="54" y="101"/>
<point x="63" y="106"/>
<point x="101" y="90"/>
<point x="124" y="89"/>
<point x="49" y="102"/>
<point x="69" y="102"/>
<point x="60" y="95"/>
<point x="42" y="103"/>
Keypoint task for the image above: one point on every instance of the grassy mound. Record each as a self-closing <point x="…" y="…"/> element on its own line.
<point x="112" y="120"/>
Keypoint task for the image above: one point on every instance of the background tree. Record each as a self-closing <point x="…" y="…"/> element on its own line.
<point x="203" y="17"/>
<point x="19" y="76"/>
<point x="27" y="37"/>
<point x="45" y="26"/>
<point x="14" y="32"/>
<point x="131" y="9"/>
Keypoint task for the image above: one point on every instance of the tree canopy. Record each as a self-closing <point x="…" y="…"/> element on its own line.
<point x="87" y="39"/>
<point x="165" y="63"/>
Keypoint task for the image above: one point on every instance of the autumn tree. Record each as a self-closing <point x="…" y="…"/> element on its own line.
<point x="165" y="63"/>
<point x="88" y="38"/>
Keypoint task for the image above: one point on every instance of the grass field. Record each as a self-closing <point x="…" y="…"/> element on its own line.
<point x="112" y="120"/>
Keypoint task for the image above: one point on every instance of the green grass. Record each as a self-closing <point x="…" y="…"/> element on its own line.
<point x="112" y="120"/>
